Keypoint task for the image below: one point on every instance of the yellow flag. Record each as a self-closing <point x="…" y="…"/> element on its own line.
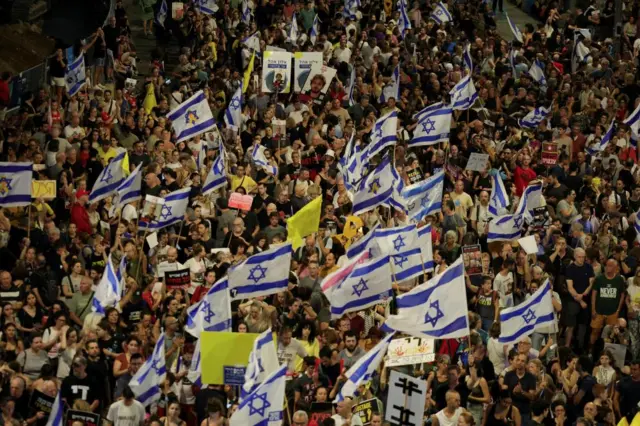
<point x="305" y="222"/>
<point x="635" y="421"/>
<point x="247" y="73"/>
<point x="623" y="422"/>
<point x="149" y="99"/>
<point x="125" y="165"/>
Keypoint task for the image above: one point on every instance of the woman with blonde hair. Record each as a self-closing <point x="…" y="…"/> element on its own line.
<point x="257" y="315"/>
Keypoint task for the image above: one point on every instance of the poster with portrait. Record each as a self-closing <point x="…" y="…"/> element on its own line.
<point x="302" y="63"/>
<point x="318" y="81"/>
<point x="472" y="258"/>
<point x="276" y="72"/>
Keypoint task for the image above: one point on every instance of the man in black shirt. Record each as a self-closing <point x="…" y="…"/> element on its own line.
<point x="627" y="396"/>
<point x="522" y="386"/>
<point x="78" y="385"/>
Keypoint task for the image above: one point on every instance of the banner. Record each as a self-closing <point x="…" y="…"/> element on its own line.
<point x="240" y="201"/>
<point x="319" y="80"/>
<point x="320" y="411"/>
<point x="366" y="409"/>
<point x="549" y="153"/>
<point x="43" y="189"/>
<point x="177" y="279"/>
<point x="472" y="258"/>
<point x="87" y="419"/>
<point x="302" y="66"/>
<point x="223" y="351"/>
<point x="410" y="350"/>
<point x="276" y="72"/>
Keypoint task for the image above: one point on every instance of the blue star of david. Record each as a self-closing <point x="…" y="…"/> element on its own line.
<point x="262" y="407"/>
<point x="165" y="213"/>
<point x="400" y="260"/>
<point x="398" y="243"/>
<point x="439" y="12"/>
<point x="257" y="273"/>
<point x="360" y="288"/>
<point x="411" y="206"/>
<point x="208" y="313"/>
<point x="374" y="186"/>
<point x="107" y="176"/>
<point x="428" y="126"/>
<point x="378" y="133"/>
<point x="424" y="201"/>
<point x="428" y="319"/>
<point x="235" y="103"/>
<point x="5" y="185"/>
<point x="529" y="316"/>
<point x="517" y="221"/>
<point x="154" y="366"/>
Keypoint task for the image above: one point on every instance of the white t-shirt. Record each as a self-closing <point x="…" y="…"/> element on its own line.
<point x="166" y="266"/>
<point x="121" y="414"/>
<point x="197" y="269"/>
<point x="129" y="213"/>
<point x="503" y="284"/>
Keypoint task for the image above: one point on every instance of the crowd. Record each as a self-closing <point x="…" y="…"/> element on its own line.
<point x="583" y="370"/>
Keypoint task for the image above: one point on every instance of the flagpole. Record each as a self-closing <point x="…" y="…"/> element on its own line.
<point x="175" y="243"/>
<point x="286" y="407"/>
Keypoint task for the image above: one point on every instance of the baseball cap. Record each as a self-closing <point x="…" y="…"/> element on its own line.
<point x="81" y="192"/>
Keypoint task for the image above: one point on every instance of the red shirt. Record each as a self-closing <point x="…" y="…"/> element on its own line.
<point x="80" y="217"/>
<point x="522" y="177"/>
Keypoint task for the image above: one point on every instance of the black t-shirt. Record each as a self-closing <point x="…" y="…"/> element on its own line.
<point x="580" y="276"/>
<point x="12" y="294"/>
<point x="307" y="388"/>
<point x="74" y="388"/>
<point x="629" y="391"/>
<point x="527" y="383"/>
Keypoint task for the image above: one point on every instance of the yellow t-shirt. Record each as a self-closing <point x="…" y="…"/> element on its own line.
<point x="104" y="157"/>
<point x="246" y="182"/>
<point x="313" y="349"/>
<point x="463" y="203"/>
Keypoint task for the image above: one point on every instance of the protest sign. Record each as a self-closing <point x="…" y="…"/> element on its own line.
<point x="366" y="409"/>
<point x="43" y="189"/>
<point x="472" y="258"/>
<point x="240" y="201"/>
<point x="410" y="350"/>
<point x="406" y="399"/>
<point x="477" y="162"/>
<point x="320" y="411"/>
<point x="177" y="279"/>
<point x="549" y="153"/>
<point x="303" y="61"/>
<point x="87" y="418"/>
<point x="40" y="402"/>
<point x="276" y="72"/>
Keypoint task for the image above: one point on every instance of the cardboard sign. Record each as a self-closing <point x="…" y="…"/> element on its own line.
<point x="472" y="258"/>
<point x="40" y="402"/>
<point x="550" y="153"/>
<point x="276" y="72"/>
<point x="87" y="419"/>
<point x="320" y="411"/>
<point x="43" y="189"/>
<point x="366" y="409"/>
<point x="240" y="201"/>
<point x="177" y="279"/>
<point x="410" y="350"/>
<point x="477" y="162"/>
<point x="234" y="375"/>
<point x="405" y="400"/>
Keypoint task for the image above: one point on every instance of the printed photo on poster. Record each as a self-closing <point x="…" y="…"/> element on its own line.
<point x="276" y="72"/>
<point x="302" y="63"/>
<point x="318" y="81"/>
<point x="472" y="258"/>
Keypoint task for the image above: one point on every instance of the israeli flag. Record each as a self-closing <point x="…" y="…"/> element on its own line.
<point x="366" y="243"/>
<point x="260" y="159"/>
<point x="354" y="170"/>
<point x="512" y="62"/>
<point x="602" y="145"/>
<point x="352" y="85"/>
<point x="233" y="115"/>
<point x="364" y="369"/>
<point x="109" y="180"/>
<point x="146" y="382"/>
<point x="212" y="312"/>
<point x="15" y="184"/>
<point x="425" y="243"/>
<point x="208" y="7"/>
<point x="533" y="119"/>
<point x="580" y="52"/>
<point x="424" y="198"/>
<point x="514" y="29"/>
<point x="536" y="71"/>
<point x="392" y="89"/>
<point x="404" y="24"/>
<point x="463" y="94"/>
<point x="532" y="314"/>
<point x="376" y="188"/>
<point x="108" y="291"/>
<point x="261" y="274"/>
<point x="505" y="228"/>
<point x="441" y="14"/>
<point x="429" y="310"/>
<point x="263" y="361"/>
<point x="217" y="177"/>
<point x="466" y="58"/>
<point x="130" y="189"/>
<point x="633" y="121"/>
<point x="294" y="31"/>
<point x="499" y="200"/>
<point x="331" y="281"/>
<point x="192" y="117"/>
<point x="636" y="225"/>
<point x="56" y="417"/>
<point x="162" y="13"/>
<point x="194" y="374"/>
<point x="367" y="285"/>
<point x="531" y="199"/>
<point x="246" y="12"/>
<point x="315" y="30"/>
<point x="433" y="127"/>
<point x="75" y="76"/>
<point x="173" y="210"/>
<point x="397" y="201"/>
<point x="429" y="110"/>
<point x="401" y="244"/>
<point x="351" y="9"/>
<point x="202" y="155"/>
<point x="264" y="405"/>
<point x="252" y="42"/>
<point x="383" y="134"/>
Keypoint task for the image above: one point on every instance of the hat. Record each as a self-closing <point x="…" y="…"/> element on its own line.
<point x="330" y="153"/>
<point x="81" y="193"/>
